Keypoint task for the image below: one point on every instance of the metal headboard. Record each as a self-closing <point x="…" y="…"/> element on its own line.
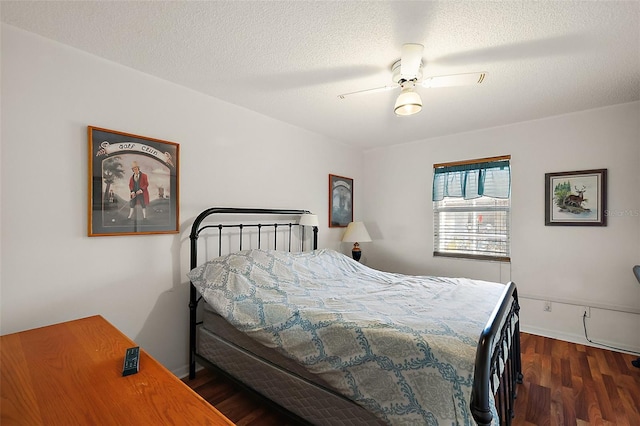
<point x="200" y="225"/>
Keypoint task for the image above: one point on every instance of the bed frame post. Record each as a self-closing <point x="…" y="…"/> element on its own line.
<point x="193" y="306"/>
<point x="192" y="334"/>
<point x="315" y="237"/>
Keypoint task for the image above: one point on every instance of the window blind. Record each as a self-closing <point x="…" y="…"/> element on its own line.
<point x="471" y="204"/>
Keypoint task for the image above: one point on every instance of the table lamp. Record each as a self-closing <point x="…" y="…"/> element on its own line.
<point x="356" y="233"/>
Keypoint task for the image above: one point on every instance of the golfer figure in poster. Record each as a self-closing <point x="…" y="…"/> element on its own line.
<point x="138" y="185"/>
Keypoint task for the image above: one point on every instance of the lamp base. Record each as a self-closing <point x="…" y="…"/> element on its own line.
<point x="355" y="252"/>
<point x="356" y="255"/>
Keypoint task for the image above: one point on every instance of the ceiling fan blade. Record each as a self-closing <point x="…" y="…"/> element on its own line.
<point x="368" y="91"/>
<point x="410" y="60"/>
<point x="454" y="80"/>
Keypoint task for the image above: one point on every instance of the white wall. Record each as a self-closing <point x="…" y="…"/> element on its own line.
<point x="583" y="265"/>
<point x="230" y="157"/>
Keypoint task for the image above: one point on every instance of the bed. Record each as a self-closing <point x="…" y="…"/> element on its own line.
<point x="335" y="342"/>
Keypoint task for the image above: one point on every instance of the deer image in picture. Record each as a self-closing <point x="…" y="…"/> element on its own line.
<point x="574" y="202"/>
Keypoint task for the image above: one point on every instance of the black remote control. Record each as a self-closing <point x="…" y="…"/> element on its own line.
<point x="131" y="361"/>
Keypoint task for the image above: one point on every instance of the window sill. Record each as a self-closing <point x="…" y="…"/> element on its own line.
<point x="473" y="256"/>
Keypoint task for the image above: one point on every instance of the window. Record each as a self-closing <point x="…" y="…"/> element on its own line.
<point x="471" y="206"/>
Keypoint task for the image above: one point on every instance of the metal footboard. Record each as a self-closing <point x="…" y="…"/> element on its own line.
<point x="498" y="367"/>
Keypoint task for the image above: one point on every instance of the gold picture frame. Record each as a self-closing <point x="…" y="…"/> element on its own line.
<point x="133" y="184"/>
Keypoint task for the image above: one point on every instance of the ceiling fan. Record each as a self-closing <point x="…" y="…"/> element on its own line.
<point x="407" y="75"/>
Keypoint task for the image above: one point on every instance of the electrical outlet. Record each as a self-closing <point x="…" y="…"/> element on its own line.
<point x="547" y="306"/>
<point x="587" y="312"/>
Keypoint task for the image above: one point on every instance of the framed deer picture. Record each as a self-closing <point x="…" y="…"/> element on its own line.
<point x="576" y="198"/>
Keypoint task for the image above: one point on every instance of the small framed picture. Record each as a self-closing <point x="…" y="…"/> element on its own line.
<point x="340" y="201"/>
<point x="576" y="198"/>
<point x="133" y="184"/>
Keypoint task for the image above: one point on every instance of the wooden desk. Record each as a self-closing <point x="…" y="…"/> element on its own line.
<point x="71" y="374"/>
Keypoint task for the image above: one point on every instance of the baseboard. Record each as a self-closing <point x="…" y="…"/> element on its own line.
<point x="579" y="339"/>
<point x="183" y="372"/>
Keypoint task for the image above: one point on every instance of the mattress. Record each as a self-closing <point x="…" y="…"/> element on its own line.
<point x="276" y="377"/>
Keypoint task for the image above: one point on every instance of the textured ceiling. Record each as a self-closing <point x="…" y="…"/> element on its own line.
<point x="289" y="60"/>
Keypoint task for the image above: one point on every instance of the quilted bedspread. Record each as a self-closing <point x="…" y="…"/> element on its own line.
<point x="401" y="346"/>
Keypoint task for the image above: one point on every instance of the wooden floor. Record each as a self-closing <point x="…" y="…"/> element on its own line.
<point x="564" y="384"/>
<point x="237" y="405"/>
<point x="570" y="384"/>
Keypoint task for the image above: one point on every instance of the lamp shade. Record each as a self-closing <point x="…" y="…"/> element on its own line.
<point x="309" y="220"/>
<point x="356" y="233"/>
<point x="408" y="103"/>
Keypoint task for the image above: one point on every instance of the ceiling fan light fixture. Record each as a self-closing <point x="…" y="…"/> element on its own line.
<point x="408" y="103"/>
